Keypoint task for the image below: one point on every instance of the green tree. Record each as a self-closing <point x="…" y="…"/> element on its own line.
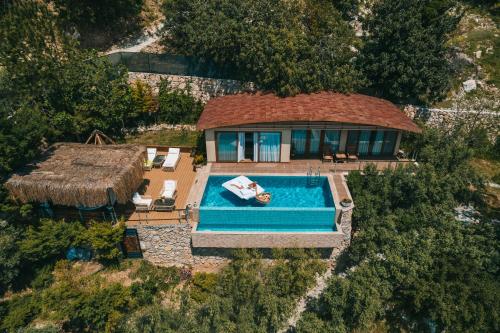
<point x="74" y="91"/>
<point x="285" y="46"/>
<point x="177" y="106"/>
<point x="405" y="53"/>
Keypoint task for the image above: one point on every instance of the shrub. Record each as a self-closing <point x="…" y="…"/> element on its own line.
<point x="203" y="284"/>
<point x="104" y="239"/>
<point x="153" y="279"/>
<point x="20" y="310"/>
<point x="177" y="106"/>
<point x="49" y="240"/>
<point x="142" y="99"/>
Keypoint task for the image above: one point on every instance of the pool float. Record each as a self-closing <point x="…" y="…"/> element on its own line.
<point x="263" y="198"/>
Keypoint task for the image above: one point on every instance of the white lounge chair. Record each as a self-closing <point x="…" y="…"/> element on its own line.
<point x="142" y="202"/>
<point x="148" y="164"/>
<point x="169" y="189"/>
<point x="173" y="157"/>
<point x="240" y="187"/>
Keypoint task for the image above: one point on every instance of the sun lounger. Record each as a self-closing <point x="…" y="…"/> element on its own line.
<point x="169" y="189"/>
<point x="148" y="164"/>
<point x="173" y="157"/>
<point x="240" y="187"/>
<point x="142" y="202"/>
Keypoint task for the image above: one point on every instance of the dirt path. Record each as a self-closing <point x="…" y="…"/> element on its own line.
<point x="145" y="39"/>
<point x="313" y="293"/>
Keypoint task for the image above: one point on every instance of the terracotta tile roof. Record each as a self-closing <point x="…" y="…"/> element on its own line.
<point x="246" y="108"/>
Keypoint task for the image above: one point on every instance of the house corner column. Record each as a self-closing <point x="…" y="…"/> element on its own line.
<point x="343" y="140"/>
<point x="210" y="145"/>
<point x="286" y="139"/>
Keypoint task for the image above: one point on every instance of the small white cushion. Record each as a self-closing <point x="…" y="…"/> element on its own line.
<point x="174" y="151"/>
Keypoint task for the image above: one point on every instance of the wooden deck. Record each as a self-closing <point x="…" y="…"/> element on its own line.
<point x="153" y="182"/>
<point x="302" y="166"/>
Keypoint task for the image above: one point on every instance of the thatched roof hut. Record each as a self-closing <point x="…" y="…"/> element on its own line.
<point x="80" y="175"/>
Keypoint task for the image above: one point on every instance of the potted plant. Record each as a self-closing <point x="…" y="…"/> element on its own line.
<point x="346" y="202"/>
<point x="199" y="161"/>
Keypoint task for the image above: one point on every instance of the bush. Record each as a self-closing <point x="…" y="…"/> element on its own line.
<point x="203" y="284"/>
<point x="143" y="100"/>
<point x="177" y="106"/>
<point x="20" y="310"/>
<point x="104" y="239"/>
<point x="153" y="279"/>
<point x="48" y="240"/>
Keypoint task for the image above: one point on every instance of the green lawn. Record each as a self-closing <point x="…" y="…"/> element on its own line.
<point x="165" y="138"/>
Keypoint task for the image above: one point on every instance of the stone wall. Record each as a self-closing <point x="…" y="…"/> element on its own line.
<point x="201" y="88"/>
<point x="447" y="118"/>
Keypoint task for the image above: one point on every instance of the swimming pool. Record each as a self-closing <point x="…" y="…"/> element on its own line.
<point x="297" y="205"/>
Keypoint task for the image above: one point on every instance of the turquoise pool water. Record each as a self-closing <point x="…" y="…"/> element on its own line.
<point x="296" y="205"/>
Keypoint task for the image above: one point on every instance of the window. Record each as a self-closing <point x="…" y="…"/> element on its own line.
<point x="227" y="146"/>
<point x="352" y="142"/>
<point x="364" y="142"/>
<point x="299" y="139"/>
<point x="314" y="142"/>
<point x="332" y="140"/>
<point x="377" y="143"/>
<point x="389" y="142"/>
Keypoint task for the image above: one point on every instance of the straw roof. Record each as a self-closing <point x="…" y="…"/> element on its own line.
<point x="72" y="174"/>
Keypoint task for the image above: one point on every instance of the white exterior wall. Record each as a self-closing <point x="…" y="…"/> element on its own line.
<point x="286" y="142"/>
<point x="210" y="144"/>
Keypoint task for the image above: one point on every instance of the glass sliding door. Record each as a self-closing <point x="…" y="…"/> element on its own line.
<point x="269" y="146"/>
<point x="314" y="142"/>
<point x="332" y="140"/>
<point x="351" y="146"/>
<point x="364" y="143"/>
<point x="227" y="146"/>
<point x="299" y="140"/>
<point x="378" y="141"/>
<point x="389" y="142"/>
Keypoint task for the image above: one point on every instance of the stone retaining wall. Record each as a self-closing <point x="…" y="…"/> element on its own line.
<point x="445" y="117"/>
<point x="201" y="88"/>
<point x="170" y="244"/>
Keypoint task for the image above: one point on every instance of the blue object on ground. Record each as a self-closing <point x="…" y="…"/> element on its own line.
<point x="78" y="253"/>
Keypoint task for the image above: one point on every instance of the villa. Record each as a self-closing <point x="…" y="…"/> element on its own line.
<point x="266" y="128"/>
<point x="293" y="151"/>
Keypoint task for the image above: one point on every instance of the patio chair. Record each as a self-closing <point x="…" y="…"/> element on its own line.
<point x="142" y="202"/>
<point x="173" y="157"/>
<point x="352" y="157"/>
<point x="327" y="155"/>
<point x="169" y="189"/>
<point x="148" y="164"/>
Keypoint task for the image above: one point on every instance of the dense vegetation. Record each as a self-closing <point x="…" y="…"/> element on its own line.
<point x="285" y="46"/>
<point x="412" y="266"/>
<point x="246" y="295"/>
<point x="405" y="51"/>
